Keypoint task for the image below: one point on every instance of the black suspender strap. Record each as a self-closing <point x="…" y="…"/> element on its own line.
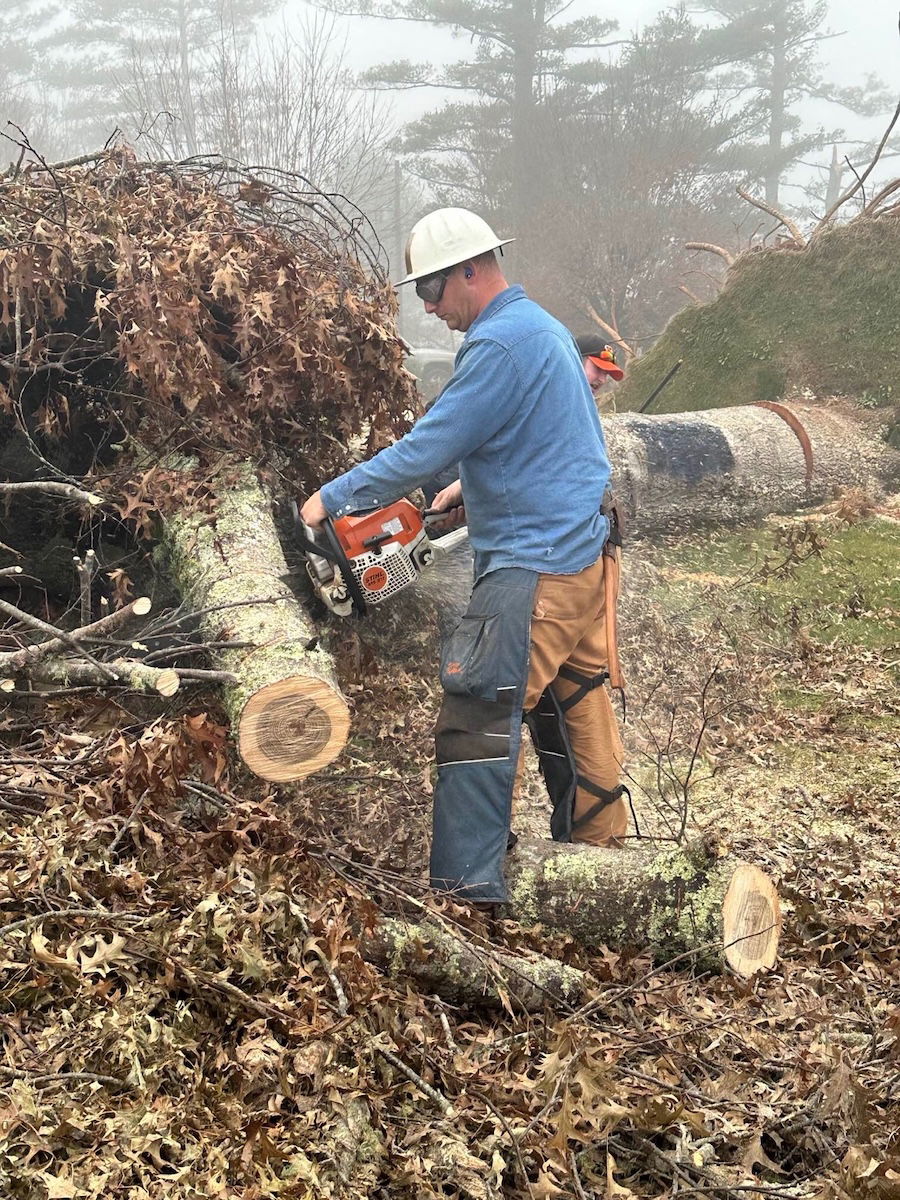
<point x="607" y="796"/>
<point x="586" y="683"/>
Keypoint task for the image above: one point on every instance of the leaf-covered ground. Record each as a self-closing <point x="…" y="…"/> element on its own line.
<point x="184" y="1011"/>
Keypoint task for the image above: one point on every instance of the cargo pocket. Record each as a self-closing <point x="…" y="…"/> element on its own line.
<point x="467" y="663"/>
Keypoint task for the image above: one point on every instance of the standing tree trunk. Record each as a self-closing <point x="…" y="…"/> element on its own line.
<point x="524" y="104"/>
<point x="777" y="98"/>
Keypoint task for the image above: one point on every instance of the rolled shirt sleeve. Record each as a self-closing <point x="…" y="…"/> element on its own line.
<point x="479" y="399"/>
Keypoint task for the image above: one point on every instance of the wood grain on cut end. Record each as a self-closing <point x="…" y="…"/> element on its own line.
<point x="291" y="728"/>
<point x="751" y="921"/>
<point x="168" y="682"/>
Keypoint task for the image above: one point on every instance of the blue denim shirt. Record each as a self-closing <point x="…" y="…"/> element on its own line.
<point x="519" y="418"/>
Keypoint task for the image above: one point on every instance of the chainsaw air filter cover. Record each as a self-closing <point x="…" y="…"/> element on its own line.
<point x="385" y="549"/>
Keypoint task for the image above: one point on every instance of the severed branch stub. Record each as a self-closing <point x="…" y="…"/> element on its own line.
<point x="61" y="635"/>
<point x="54" y="488"/>
<point x="132" y="673"/>
<point x="16" y="660"/>
<point x="86" y="570"/>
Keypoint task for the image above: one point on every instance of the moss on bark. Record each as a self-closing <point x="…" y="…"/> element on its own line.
<point x="668" y="901"/>
<point x="462" y="973"/>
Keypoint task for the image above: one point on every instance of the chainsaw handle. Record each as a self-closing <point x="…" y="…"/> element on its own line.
<point x="301" y="532"/>
<point x="333" y="552"/>
<point x="434" y="516"/>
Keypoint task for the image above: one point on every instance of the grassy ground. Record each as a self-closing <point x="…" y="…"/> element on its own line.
<point x="824" y="319"/>
<point x="804" y="615"/>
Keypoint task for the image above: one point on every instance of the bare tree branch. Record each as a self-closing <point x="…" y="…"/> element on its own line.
<point x="792" y="228"/>
<point x="611" y="332"/>
<point x="712" y="249"/>
<point x="860" y="180"/>
<point x="52" y="488"/>
<point x="15" y="660"/>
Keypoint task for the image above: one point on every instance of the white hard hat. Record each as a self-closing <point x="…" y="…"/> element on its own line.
<point x="446" y="237"/>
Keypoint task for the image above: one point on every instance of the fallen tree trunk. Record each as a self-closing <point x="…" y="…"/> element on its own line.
<point x="461" y="973"/>
<point x="673" y="902"/>
<point x="728" y="465"/>
<point x="287" y="712"/>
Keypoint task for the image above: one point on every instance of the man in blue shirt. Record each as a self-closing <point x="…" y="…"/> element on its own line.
<point x="519" y="418"/>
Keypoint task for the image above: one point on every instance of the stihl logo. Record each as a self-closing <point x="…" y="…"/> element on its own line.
<point x="454" y="668"/>
<point x="374" y="578"/>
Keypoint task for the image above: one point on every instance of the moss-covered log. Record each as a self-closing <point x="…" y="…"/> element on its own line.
<point x="461" y="973"/>
<point x="287" y="712"/>
<point x="674" y="901"/>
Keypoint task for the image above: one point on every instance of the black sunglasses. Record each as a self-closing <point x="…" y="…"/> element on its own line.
<point x="430" y="288"/>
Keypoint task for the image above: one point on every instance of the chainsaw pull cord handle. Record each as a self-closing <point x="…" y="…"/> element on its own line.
<point x="333" y="552"/>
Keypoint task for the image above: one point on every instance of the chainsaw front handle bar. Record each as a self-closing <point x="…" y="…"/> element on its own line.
<point x="331" y="550"/>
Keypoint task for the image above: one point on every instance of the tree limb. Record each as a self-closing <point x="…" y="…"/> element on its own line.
<point x="36" y="623"/>
<point x="15" y="660"/>
<point x="712" y="249"/>
<point x="53" y="488"/>
<point x="613" y="333"/>
<point x="871" y="209"/>
<point x="792" y="228"/>
<point x="861" y="179"/>
<point x="128" y="672"/>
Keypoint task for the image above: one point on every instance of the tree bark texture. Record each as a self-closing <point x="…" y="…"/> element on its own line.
<point x="287" y="712"/>
<point x="730" y="465"/>
<point x="65" y="672"/>
<point x="674" y="902"/>
<point x="462" y="973"/>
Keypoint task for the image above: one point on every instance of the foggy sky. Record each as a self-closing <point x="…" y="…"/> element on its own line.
<point x="869" y="42"/>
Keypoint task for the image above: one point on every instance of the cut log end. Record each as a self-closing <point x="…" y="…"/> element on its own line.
<point x="168" y="682"/>
<point x="751" y="921"/>
<point x="141" y="606"/>
<point x="678" y="902"/>
<point x="291" y="728"/>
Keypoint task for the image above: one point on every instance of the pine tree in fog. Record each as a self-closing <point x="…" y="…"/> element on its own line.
<point x="772" y="49"/>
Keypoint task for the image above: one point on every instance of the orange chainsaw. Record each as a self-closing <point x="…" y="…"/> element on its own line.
<point x="366" y="558"/>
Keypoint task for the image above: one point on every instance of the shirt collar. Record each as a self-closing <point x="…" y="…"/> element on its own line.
<point x="516" y="292"/>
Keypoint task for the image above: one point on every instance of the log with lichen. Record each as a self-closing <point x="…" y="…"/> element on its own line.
<point x="460" y="971"/>
<point x="122" y="672"/>
<point x="287" y="713"/>
<point x="679" y="902"/>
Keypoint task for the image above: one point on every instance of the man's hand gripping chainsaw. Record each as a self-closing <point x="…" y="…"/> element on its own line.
<point x="366" y="558"/>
